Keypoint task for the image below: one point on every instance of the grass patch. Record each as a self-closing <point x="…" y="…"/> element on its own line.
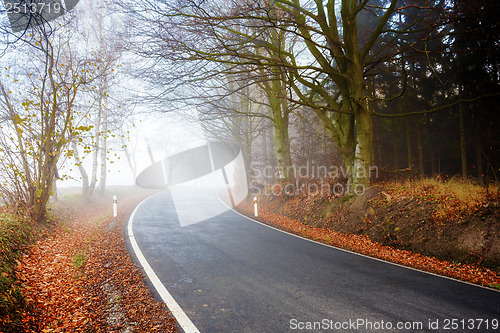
<point x="79" y="259"/>
<point x="16" y="235"/>
<point x="346" y="197"/>
<point x="453" y="197"/>
<point x="494" y="286"/>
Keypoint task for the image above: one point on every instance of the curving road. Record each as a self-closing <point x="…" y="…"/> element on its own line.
<point x="231" y="274"/>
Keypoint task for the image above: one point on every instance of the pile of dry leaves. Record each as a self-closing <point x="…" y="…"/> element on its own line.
<point x="81" y="278"/>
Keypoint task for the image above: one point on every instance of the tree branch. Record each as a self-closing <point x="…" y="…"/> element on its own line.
<point x="461" y="100"/>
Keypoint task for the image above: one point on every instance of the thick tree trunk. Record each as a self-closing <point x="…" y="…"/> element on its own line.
<point x="363" y="157"/>
<point x="264" y="148"/>
<point x="270" y="177"/>
<point x="377" y="149"/>
<point x="43" y="191"/>
<point x="341" y="128"/>
<point x="282" y="150"/>
<point x="276" y="93"/>
<point x="359" y="106"/>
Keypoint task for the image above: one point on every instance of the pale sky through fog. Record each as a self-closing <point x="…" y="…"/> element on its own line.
<point x="166" y="133"/>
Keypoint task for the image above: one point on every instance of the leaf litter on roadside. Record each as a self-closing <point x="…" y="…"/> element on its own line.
<point x="81" y="278"/>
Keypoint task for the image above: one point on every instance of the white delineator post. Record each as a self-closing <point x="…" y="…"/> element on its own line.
<point x="255" y="211"/>
<point x="115" y="208"/>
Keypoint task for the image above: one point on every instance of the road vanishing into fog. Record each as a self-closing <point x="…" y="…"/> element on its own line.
<point x="231" y="274"/>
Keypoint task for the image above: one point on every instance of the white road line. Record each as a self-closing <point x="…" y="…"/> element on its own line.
<point x="358" y="254"/>
<point x="183" y="320"/>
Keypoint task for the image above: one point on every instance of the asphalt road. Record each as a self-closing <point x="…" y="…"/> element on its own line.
<point x="230" y="274"/>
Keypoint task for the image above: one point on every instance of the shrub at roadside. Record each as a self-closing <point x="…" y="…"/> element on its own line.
<point x="15" y="236"/>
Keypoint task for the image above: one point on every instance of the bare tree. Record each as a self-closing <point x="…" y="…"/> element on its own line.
<point x="40" y="119"/>
<point x="101" y="38"/>
<point x="325" y="68"/>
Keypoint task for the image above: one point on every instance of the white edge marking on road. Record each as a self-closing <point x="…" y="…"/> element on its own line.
<point x="181" y="317"/>
<point x="358" y="254"/>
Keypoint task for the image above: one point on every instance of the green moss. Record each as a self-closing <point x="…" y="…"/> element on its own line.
<point x="346" y="198"/>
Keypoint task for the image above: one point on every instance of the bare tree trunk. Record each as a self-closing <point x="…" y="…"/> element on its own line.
<point x="54" y="191"/>
<point x="395" y="146"/>
<point x="247" y="137"/>
<point x="420" y="152"/>
<point x="95" y="152"/>
<point x="463" y="147"/>
<point x="150" y="152"/>
<point x="276" y="93"/>
<point x="130" y="159"/>
<point x="377" y="147"/>
<point x="478" y="151"/>
<point x="409" y="148"/>
<point x="83" y="172"/>
<point x="265" y="151"/>
<point x="282" y="149"/>
<point x="104" y="138"/>
<point x="364" y="137"/>
<point x="432" y="153"/>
